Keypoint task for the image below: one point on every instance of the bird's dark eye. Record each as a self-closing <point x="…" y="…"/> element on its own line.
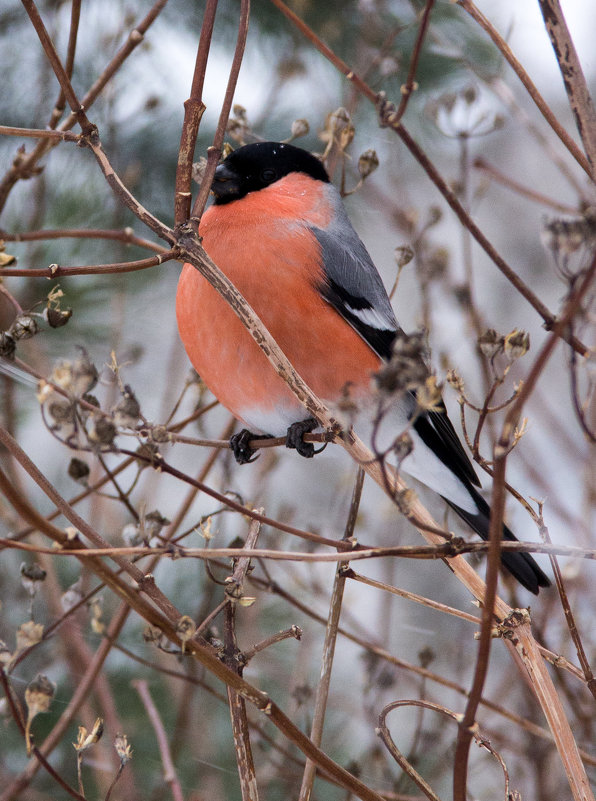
<point x="268" y="175"/>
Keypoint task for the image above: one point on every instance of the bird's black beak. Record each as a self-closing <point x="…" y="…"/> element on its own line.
<point x="226" y="183"/>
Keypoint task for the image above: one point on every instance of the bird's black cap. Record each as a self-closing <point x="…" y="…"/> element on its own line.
<point x="259" y="165"/>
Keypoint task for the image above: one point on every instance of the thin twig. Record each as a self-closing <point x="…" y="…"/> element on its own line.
<point x="574" y="79"/>
<point x="331" y="631"/>
<point x="57" y="271"/>
<point x="214" y="152"/>
<point x="170" y="776"/>
<point x="193" y="112"/>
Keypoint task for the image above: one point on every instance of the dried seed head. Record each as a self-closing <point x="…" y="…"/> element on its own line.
<point x="7" y="346"/>
<point x="490" y="343"/>
<point x="428" y="395"/>
<point x="78" y="471"/>
<point x="185" y="629"/>
<point x="131" y="534"/>
<point x="154" y="522"/>
<point x="403" y="255"/>
<point x="456" y="381"/>
<point x="24" y="327"/>
<point x="38" y="697"/>
<point x="84" y="373"/>
<point x="87" y="739"/>
<point x="517" y="344"/>
<point x="300" y="128"/>
<point x="62" y="375"/>
<point x="406" y="369"/>
<point x="102" y="431"/>
<point x="367" y="163"/>
<point x="123" y="749"/>
<point x="436" y="264"/>
<point x="402" y="446"/>
<point x="127" y="411"/>
<point x="31" y="577"/>
<point x="56" y="318"/>
<point x="28" y="634"/>
<point x="72" y="596"/>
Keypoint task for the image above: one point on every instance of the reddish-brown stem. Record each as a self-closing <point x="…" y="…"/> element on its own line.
<point x="56" y="271"/>
<point x="214" y="152"/>
<point x="125" y="235"/>
<point x="410" y="84"/>
<point x="193" y="112"/>
<point x="57" y="66"/>
<point x="574" y="79"/>
<point x="170" y="776"/>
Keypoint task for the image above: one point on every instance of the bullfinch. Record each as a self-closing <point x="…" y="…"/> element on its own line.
<point x="279" y="231"/>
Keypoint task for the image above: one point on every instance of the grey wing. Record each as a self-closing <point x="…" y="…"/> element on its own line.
<point x="352" y="284"/>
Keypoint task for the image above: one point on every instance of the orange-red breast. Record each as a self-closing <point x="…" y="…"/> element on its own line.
<point x="279" y="231"/>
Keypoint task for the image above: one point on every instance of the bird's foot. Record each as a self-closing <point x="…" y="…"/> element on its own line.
<point x="296" y="432"/>
<point x="241" y="448"/>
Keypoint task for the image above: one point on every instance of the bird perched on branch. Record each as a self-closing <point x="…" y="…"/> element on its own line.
<point x="279" y="231"/>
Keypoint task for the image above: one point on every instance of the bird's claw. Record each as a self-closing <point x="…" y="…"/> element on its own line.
<point x="296" y="432"/>
<point x="240" y="445"/>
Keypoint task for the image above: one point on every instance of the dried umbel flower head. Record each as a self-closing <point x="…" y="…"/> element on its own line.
<point x="570" y="240"/>
<point x="38" y="697"/>
<point x="407" y="368"/>
<point x="468" y="112"/>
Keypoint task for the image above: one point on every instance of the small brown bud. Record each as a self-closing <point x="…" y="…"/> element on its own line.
<point x="455" y="380"/>
<point x="403" y="446"/>
<point x="490" y="343"/>
<point x="78" y="471"/>
<point x="367" y="163"/>
<point x="403" y="255"/>
<point x="299" y="128"/>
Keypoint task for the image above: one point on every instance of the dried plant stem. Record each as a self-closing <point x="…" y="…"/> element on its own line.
<point x="214" y="152"/>
<point x="170" y="776"/>
<point x="235" y="660"/>
<point x="331" y="631"/>
<point x="576" y="87"/>
<point x="57" y="271"/>
<point x="193" y="113"/>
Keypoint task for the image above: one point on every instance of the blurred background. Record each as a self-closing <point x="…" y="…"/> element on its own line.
<point x="475" y="122"/>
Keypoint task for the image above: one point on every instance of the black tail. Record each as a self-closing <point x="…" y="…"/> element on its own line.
<point x="521" y="565"/>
